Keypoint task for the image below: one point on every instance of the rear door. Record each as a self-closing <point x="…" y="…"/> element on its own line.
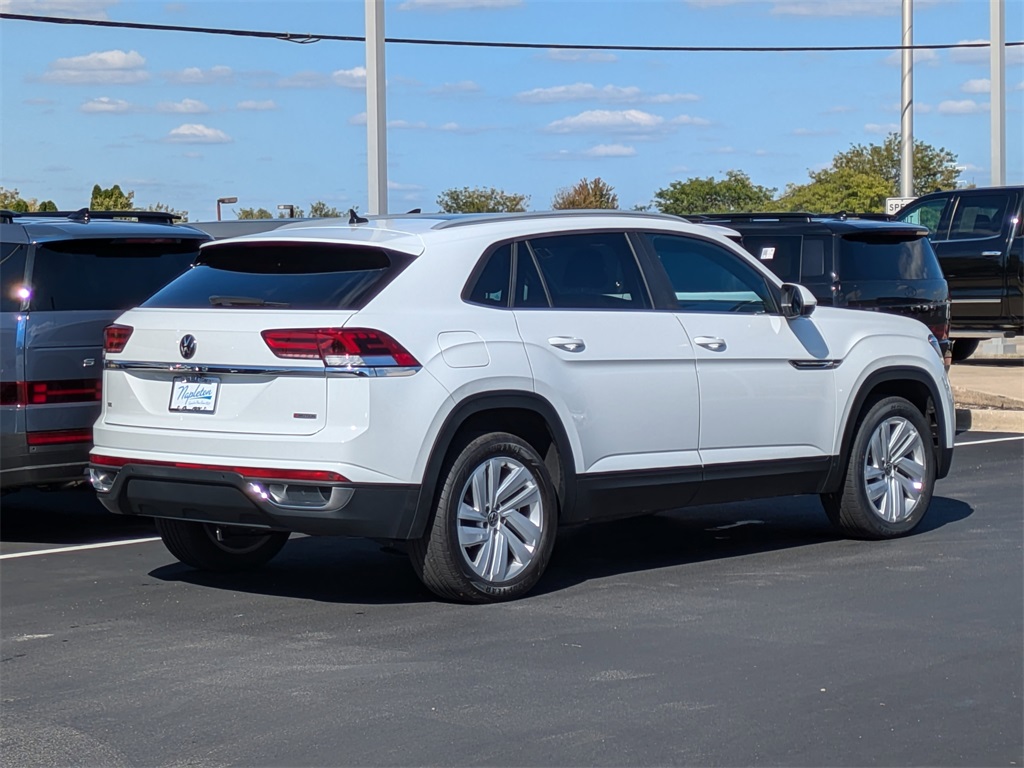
<point x="621" y="373"/>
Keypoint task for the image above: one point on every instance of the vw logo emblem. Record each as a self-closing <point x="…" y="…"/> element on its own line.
<point x="187" y="346"/>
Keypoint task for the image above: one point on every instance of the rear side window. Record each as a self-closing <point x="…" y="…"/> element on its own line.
<point x="12" y="275"/>
<point x="105" y="274"/>
<point x="590" y="271"/>
<point x="896" y="256"/>
<point x="492" y="284"/>
<point x="780" y="253"/>
<point x="283" y="276"/>
<point x="978" y="216"/>
<point x="926" y="214"/>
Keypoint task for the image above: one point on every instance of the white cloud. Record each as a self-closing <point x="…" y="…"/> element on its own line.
<point x="183" y="107"/>
<point x="105" y="104"/>
<point x="197" y="76"/>
<point x="359" y="119"/>
<point x="882" y="128"/>
<point x="562" y="54"/>
<point x="963" y="107"/>
<point x="350" y="78"/>
<point x="194" y="133"/>
<point x="924" y="57"/>
<point x="465" y="86"/>
<point x="451" y="127"/>
<point x="610" y="150"/>
<point x="1014" y="54"/>
<point x="400" y="187"/>
<point x="76" y="9"/>
<point x="256" y="106"/>
<point x="611" y="93"/>
<point x="1018" y="87"/>
<point x="724" y="150"/>
<point x="456" y="5"/>
<point x="630" y="120"/>
<point x="689" y="120"/>
<point x="981" y="85"/>
<point x="407" y="125"/>
<point x="102" y="67"/>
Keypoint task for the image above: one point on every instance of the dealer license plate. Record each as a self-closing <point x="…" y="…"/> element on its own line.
<point x="196" y="394"/>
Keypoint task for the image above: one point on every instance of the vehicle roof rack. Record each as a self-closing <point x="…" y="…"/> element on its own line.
<point x="705" y="218"/>
<point x="6" y="216"/>
<point x="84" y="215"/>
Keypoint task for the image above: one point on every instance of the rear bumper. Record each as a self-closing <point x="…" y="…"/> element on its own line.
<point x="385" y="511"/>
<point x="24" y="466"/>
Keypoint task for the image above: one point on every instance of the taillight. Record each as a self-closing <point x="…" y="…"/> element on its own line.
<point x="115" y="337"/>
<point x="340" y="347"/>
<point x="50" y="392"/>
<point x="60" y="437"/>
<point x="261" y="473"/>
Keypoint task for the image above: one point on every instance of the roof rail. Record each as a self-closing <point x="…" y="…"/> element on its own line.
<point x="85" y="215"/>
<point x="707" y="218"/>
<point x="6" y="216"/>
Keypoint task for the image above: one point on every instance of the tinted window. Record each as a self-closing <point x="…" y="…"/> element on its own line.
<point x="12" y="275"/>
<point x="708" y="278"/>
<point x="978" y="216"/>
<point x="105" y="274"/>
<point x="927" y="214"/>
<point x="780" y="253"/>
<point x="593" y="271"/>
<point x="282" y="276"/>
<point x="491" y="286"/>
<point x="887" y="257"/>
<point x="529" y="287"/>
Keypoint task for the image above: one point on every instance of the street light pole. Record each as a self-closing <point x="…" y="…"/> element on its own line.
<point x="376" y="122"/>
<point x="907" y="104"/>
<point x="997" y="91"/>
<point x="225" y="200"/>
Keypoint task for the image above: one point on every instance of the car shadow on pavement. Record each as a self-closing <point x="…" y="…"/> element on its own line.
<point x="64" y="518"/>
<point x="342" y="570"/>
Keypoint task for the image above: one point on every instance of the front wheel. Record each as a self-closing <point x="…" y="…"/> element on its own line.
<point x="494" y="524"/>
<point x="890" y="474"/>
<point x="223" y="548"/>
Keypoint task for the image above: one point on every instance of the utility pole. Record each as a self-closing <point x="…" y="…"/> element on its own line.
<point x="376" y="121"/>
<point x="907" y="103"/>
<point x="997" y="95"/>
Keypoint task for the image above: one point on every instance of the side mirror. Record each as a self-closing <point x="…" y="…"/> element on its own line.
<point x="797" y="301"/>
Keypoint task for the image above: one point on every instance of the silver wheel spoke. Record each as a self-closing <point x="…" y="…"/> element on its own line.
<point x="499" y="558"/>
<point x="911" y="469"/>
<point x="523" y="528"/>
<point x="520" y="551"/>
<point x="470" y="537"/>
<point x="894" y="469"/>
<point x="877" y="490"/>
<point x="910" y="486"/>
<point x="527" y="495"/>
<point x="467" y="512"/>
<point x="510" y="484"/>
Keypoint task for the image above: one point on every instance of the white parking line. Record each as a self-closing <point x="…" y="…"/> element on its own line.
<point x="993" y="440"/>
<point x="79" y="548"/>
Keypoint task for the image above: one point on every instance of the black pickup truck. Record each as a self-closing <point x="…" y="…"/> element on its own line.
<point x="977" y="236"/>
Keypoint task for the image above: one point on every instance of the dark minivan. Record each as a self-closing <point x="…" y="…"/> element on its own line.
<point x="850" y="261"/>
<point x="65" y="277"/>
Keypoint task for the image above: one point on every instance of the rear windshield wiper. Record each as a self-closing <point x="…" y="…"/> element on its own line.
<point x="244" y="301"/>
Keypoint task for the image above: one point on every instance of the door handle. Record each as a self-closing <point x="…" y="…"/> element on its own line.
<point x="568" y="343"/>
<point x="991" y="253"/>
<point x="710" y="342"/>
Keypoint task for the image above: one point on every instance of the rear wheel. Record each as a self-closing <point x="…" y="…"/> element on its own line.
<point x="890" y="474"/>
<point x="223" y="548"/>
<point x="494" y="524"/>
<point x="964" y="348"/>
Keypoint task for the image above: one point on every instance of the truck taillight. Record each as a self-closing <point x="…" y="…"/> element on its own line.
<point x="22" y="393"/>
<point x="115" y="337"/>
<point x="340" y="347"/>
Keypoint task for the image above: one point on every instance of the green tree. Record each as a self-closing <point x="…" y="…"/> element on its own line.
<point x="735" y="193"/>
<point x="183" y="215"/>
<point x="862" y="177"/>
<point x="20" y="206"/>
<point x="321" y="210"/>
<point x="47" y="206"/>
<point x="586" y="195"/>
<point x="295" y="213"/>
<point x="255" y="213"/>
<point x="481" y="200"/>
<point x="112" y="199"/>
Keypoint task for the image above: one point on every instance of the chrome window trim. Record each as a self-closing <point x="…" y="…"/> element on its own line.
<point x="261" y="370"/>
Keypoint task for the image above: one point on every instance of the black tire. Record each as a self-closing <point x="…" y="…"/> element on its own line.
<point x="494" y="550"/>
<point x="892" y="452"/>
<point x="964" y="348"/>
<point x="222" y="548"/>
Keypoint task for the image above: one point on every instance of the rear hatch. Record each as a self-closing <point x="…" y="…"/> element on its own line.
<point x="74" y="289"/>
<point x="893" y="271"/>
<point x="196" y="355"/>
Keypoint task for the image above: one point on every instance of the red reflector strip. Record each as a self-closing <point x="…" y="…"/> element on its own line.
<point x="261" y="473"/>
<point x="50" y="392"/>
<point x="60" y="437"/>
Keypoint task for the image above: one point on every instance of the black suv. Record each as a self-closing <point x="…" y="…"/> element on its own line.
<point x="978" y="235"/>
<point x="65" y="276"/>
<point x="858" y="261"/>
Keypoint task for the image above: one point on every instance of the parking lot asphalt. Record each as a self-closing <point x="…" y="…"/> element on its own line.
<point x="745" y="634"/>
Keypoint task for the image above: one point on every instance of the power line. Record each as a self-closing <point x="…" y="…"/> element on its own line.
<point x="305" y="39"/>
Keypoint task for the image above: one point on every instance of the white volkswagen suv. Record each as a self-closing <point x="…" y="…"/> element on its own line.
<point x="466" y="384"/>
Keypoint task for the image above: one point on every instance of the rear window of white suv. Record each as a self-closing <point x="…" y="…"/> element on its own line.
<point x="284" y="275"/>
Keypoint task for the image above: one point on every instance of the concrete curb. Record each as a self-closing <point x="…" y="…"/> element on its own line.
<point x="989" y="420"/>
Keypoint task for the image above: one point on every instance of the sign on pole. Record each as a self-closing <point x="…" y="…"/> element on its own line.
<point x="893" y="204"/>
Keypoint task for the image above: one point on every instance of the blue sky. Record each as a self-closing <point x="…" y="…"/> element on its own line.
<point x="183" y="119"/>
